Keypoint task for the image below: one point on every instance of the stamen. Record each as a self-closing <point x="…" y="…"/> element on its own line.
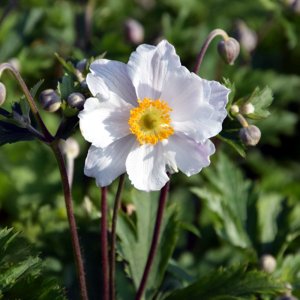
<point x="150" y="121"/>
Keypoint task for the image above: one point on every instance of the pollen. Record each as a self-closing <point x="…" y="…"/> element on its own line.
<point x="150" y="122"/>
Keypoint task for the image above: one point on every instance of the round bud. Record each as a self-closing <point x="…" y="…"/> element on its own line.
<point x="50" y="100"/>
<point x="250" y="135"/>
<point x="134" y="31"/>
<point x="229" y="50"/>
<point x="2" y="93"/>
<point x="247" y="109"/>
<point x="81" y="65"/>
<point x="234" y="109"/>
<point x="76" y="100"/>
<point x="70" y="147"/>
<point x="268" y="263"/>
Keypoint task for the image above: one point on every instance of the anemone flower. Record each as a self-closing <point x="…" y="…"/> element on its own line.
<point x="149" y="117"/>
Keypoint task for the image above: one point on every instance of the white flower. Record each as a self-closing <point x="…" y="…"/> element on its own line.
<point x="149" y="117"/>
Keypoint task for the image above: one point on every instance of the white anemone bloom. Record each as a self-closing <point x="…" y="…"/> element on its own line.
<point x="149" y="117"/>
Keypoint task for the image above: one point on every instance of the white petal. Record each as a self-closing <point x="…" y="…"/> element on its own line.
<point x="102" y="122"/>
<point x="113" y="75"/>
<point x="190" y="156"/>
<point x="205" y="121"/>
<point x="107" y="164"/>
<point x="145" y="166"/>
<point x="148" y="67"/>
<point x="184" y="91"/>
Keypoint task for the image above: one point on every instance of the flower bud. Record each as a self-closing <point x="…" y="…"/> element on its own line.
<point x="70" y="147"/>
<point x="250" y="135"/>
<point x="268" y="263"/>
<point x="50" y="100"/>
<point x="229" y="50"/>
<point x="246" y="36"/>
<point x="2" y="93"/>
<point x="134" y="31"/>
<point x="81" y="65"/>
<point x="234" y="109"/>
<point x="76" y="100"/>
<point x="247" y="109"/>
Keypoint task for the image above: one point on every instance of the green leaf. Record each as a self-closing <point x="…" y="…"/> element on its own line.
<point x="261" y="100"/>
<point x="136" y="239"/>
<point x="21" y="274"/>
<point x="232" y="140"/>
<point x="66" y="86"/>
<point x="227" y="197"/>
<point x="232" y="283"/>
<point x="67" y="65"/>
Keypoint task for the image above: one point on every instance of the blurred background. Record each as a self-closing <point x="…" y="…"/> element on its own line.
<point x="237" y="210"/>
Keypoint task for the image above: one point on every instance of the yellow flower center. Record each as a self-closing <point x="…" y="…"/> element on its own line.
<point x="150" y="121"/>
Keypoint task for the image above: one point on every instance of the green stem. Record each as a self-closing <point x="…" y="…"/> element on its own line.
<point x="207" y="42"/>
<point x="155" y="239"/>
<point x="104" y="244"/>
<point x="113" y="237"/>
<point x="72" y="221"/>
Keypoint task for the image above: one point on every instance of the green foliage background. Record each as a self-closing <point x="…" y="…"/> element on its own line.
<point x="227" y="216"/>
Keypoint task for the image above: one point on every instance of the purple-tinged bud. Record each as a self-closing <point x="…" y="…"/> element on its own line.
<point x="81" y="65"/>
<point x="268" y="263"/>
<point x="229" y="50"/>
<point x="246" y="36"/>
<point x="76" y="100"/>
<point x="134" y="31"/>
<point x="50" y="100"/>
<point x="293" y="5"/>
<point x="2" y="93"/>
<point x="250" y="135"/>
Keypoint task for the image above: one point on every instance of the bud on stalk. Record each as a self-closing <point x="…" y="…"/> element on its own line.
<point x="2" y="93"/>
<point x="250" y="135"/>
<point x="229" y="50"/>
<point x="50" y="100"/>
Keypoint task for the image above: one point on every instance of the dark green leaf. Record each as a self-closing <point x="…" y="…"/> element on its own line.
<point x="233" y="283"/>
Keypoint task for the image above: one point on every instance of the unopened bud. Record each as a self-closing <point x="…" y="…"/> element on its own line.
<point x="76" y="100"/>
<point x="70" y="147"/>
<point x="268" y="263"/>
<point x="50" y="100"/>
<point x="81" y="65"/>
<point x="234" y="109"/>
<point x="246" y="36"/>
<point x="134" y="31"/>
<point x="250" y="135"/>
<point x="229" y="50"/>
<point x="2" y="93"/>
<point x="247" y="109"/>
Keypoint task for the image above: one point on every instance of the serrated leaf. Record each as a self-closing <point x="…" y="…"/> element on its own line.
<point x="230" y="85"/>
<point x="136" y="239"/>
<point x="233" y="283"/>
<point x="21" y="274"/>
<point x="261" y="100"/>
<point x="227" y="197"/>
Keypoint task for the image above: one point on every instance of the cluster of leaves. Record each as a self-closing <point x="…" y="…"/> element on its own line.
<point x="20" y="272"/>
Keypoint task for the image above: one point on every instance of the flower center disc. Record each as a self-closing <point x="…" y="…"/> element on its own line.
<point x="150" y="121"/>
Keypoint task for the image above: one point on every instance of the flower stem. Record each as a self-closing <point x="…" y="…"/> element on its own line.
<point x="208" y="40"/>
<point x="71" y="219"/>
<point x="104" y="244"/>
<point x="113" y="237"/>
<point x="155" y="239"/>
<point x="6" y="66"/>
